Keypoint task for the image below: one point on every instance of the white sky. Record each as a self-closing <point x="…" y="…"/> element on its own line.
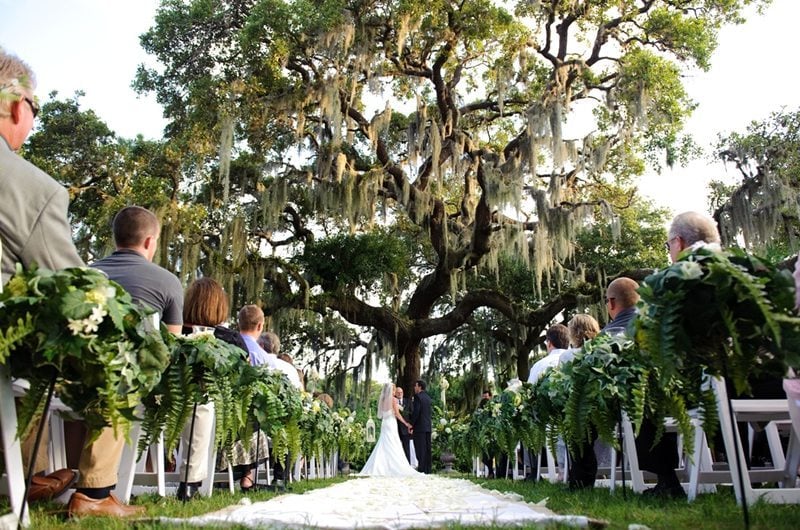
<point x="93" y="45"/>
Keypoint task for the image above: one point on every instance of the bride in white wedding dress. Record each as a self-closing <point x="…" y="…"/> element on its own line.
<point x="388" y="458"/>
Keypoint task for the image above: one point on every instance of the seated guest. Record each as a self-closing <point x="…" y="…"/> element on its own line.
<point x="583" y="463"/>
<point x="690" y="230"/>
<point x="324" y="398"/>
<point x="557" y="342"/>
<point x="34" y="228"/>
<point x="251" y="325"/>
<point x="288" y="358"/>
<point x="582" y="327"/>
<point x="270" y="346"/>
<point x="621" y="299"/>
<point x="205" y="306"/>
<point x="687" y="229"/>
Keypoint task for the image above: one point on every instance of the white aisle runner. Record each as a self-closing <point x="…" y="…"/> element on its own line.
<point x="388" y="503"/>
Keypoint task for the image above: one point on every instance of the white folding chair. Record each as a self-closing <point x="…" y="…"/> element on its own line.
<point x="757" y="410"/>
<point x="688" y="462"/>
<point x="12" y="453"/>
<point x="133" y="473"/>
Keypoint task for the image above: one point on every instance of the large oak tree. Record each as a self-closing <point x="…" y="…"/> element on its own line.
<point x="362" y="158"/>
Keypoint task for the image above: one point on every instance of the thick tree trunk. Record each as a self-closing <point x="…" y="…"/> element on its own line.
<point x="408" y="367"/>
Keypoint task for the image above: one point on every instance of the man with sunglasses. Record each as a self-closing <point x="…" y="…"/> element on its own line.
<point x="33" y="216"/>
<point x="34" y="228"/>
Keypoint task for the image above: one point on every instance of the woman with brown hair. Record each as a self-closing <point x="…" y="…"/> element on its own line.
<point x="581" y="327"/>
<point x="205" y="308"/>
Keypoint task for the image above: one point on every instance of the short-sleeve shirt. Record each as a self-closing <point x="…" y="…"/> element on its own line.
<point x="148" y="284"/>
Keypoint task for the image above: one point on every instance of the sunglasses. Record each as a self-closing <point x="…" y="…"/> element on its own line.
<point x="34" y="106"/>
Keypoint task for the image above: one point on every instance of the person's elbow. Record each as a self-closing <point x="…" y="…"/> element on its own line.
<point x="175" y="329"/>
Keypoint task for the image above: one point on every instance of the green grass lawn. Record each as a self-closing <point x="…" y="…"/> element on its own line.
<point x="717" y="511"/>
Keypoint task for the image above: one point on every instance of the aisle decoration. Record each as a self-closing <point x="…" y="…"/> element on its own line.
<point x="349" y="435"/>
<point x="720" y="313"/>
<point x="201" y="369"/>
<point x="76" y="327"/>
<point x="277" y="406"/>
<point x="398" y="503"/>
<point x="505" y="420"/>
<point x="608" y="376"/>
<point x="317" y="429"/>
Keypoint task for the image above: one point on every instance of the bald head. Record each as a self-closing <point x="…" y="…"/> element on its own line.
<point x="620" y="295"/>
<point x="689" y="228"/>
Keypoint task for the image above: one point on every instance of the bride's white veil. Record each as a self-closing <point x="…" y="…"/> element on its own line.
<point x="385" y="401"/>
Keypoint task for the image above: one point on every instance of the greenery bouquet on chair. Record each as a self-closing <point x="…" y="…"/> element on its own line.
<point x="201" y="369"/>
<point x="80" y="331"/>
<point x="719" y="313"/>
<point x="716" y="313"/>
<point x="609" y="375"/>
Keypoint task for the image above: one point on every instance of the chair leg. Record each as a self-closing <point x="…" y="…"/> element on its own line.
<point x="12" y="450"/>
<point x="629" y="440"/>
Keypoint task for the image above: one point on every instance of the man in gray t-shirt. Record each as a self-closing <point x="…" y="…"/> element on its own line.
<point x="136" y="233"/>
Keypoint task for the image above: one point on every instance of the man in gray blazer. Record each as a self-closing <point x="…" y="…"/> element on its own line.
<point x="33" y="206"/>
<point x="34" y="229"/>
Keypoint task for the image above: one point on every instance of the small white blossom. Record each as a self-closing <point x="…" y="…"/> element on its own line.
<point x="442" y="421"/>
<point x="98" y="296"/>
<point x="75" y="326"/>
<point x="98" y="313"/>
<point x="448" y="430"/>
<point x="89" y="326"/>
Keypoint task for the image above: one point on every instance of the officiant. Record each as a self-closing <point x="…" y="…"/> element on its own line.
<point x="405" y="410"/>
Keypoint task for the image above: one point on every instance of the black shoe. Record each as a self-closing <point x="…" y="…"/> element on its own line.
<point x="576" y="485"/>
<point x="665" y="491"/>
<point x="187" y="491"/>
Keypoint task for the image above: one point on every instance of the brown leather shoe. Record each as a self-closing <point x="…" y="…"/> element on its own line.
<point x="51" y="486"/>
<point x="80" y="505"/>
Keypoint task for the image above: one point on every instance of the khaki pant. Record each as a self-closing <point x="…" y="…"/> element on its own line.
<point x="99" y="463"/>
<point x="201" y="439"/>
<point x="41" y="458"/>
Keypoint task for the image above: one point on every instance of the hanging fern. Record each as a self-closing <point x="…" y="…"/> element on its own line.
<point x="201" y="369"/>
<point x="720" y="313"/>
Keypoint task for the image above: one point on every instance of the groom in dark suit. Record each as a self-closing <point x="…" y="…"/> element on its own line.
<point x="421" y="427"/>
<point x="405" y="410"/>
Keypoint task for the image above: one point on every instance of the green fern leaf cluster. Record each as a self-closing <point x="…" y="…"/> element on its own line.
<point x="83" y="332"/>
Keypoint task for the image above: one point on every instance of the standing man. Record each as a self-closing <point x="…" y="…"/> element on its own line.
<point x="34" y="229"/>
<point x="405" y="408"/>
<point x="421" y="427"/>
